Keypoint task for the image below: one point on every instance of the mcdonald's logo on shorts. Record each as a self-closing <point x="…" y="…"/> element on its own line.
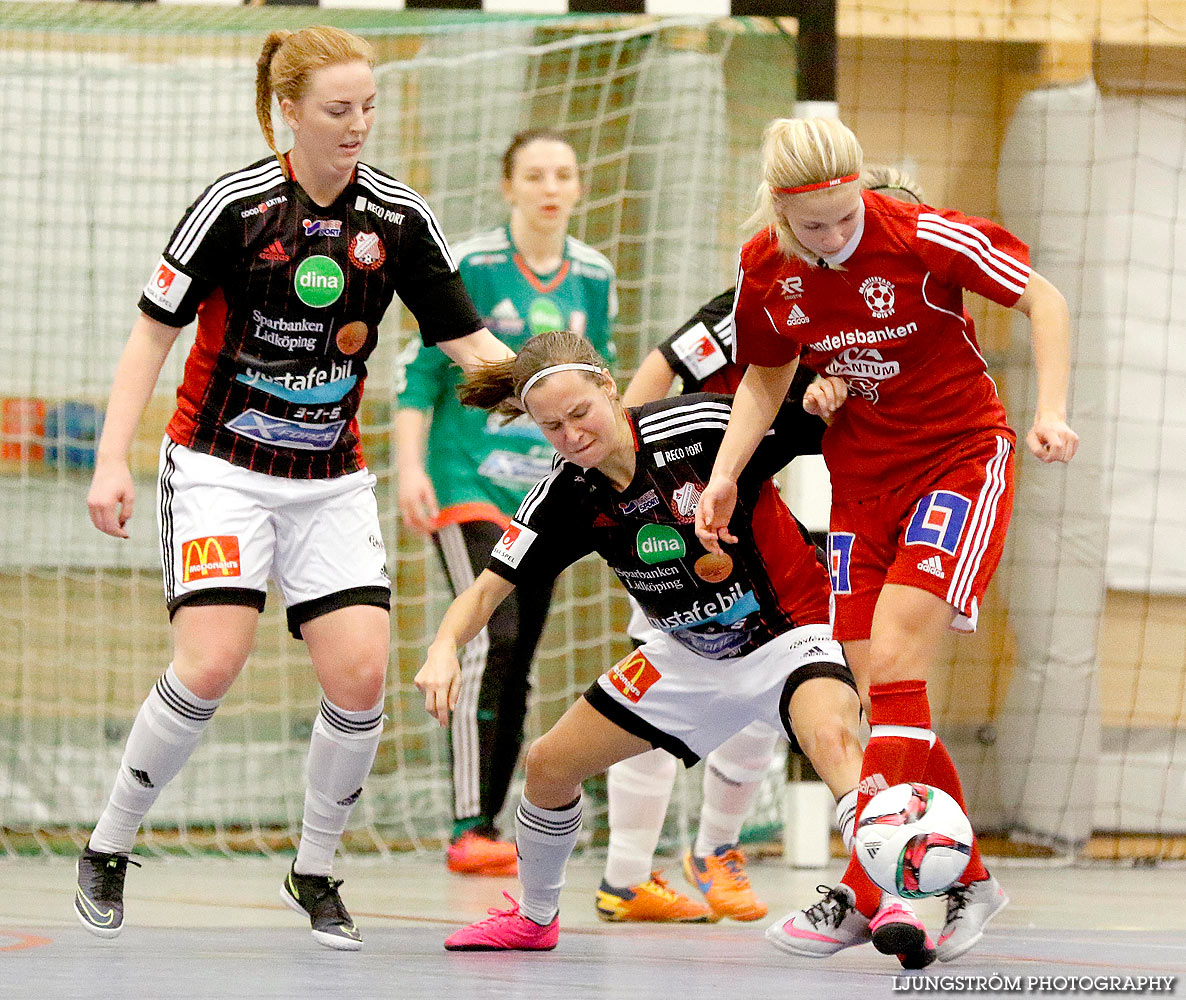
<point x="209" y="558"/>
<point x="633" y="676"/>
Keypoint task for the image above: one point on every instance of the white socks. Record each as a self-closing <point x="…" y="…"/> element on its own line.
<point x="168" y="727"/>
<point x="732" y="775"/>
<point x="638" y="790"/>
<point x="545" y="838"/>
<point x="846" y="817"/>
<point x="341" y="752"/>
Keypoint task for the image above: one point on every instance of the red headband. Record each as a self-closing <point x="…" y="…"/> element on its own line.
<point x="816" y="187"/>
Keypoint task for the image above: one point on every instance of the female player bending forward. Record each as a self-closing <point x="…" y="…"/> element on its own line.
<point x="743" y="635"/>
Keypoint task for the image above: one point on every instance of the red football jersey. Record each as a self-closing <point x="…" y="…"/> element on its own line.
<point x="891" y="323"/>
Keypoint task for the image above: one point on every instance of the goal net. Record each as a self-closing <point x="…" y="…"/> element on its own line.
<point x="114" y="119"/>
<point x="1066" y="712"/>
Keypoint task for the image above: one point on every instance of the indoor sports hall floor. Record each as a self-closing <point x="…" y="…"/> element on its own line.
<point x="215" y="928"/>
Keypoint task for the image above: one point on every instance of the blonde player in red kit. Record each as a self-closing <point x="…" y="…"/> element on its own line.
<point x="869" y="289"/>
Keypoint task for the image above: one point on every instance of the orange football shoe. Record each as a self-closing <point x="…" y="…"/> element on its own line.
<point x="474" y="854"/>
<point x="722" y="878"/>
<point x="651" y="901"/>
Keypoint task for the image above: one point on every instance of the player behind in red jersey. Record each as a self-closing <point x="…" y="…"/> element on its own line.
<point x="739" y="635"/>
<point x="700" y="354"/>
<point x="288" y="265"/>
<point x="870" y="290"/>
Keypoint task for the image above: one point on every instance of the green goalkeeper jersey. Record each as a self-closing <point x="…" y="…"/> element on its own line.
<point x="470" y="457"/>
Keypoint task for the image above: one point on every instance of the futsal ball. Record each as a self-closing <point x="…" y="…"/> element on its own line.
<point x="914" y="840"/>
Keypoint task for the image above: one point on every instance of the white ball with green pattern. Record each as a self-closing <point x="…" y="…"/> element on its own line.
<point x="913" y="840"/>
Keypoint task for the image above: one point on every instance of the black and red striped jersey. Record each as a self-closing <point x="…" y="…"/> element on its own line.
<point x="719" y="607"/>
<point x="288" y="296"/>
<point x="700" y="352"/>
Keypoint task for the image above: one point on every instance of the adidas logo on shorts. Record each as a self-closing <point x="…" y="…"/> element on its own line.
<point x="934" y="566"/>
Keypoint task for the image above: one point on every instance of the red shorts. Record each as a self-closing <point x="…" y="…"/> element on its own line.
<point x="943" y="533"/>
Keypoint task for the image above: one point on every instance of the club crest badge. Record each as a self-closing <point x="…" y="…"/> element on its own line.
<point x="683" y="502"/>
<point x="367" y="251"/>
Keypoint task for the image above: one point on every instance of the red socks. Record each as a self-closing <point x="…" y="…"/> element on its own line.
<point x="898" y="750"/>
<point x="941" y="773"/>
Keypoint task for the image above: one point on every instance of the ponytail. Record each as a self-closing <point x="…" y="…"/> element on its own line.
<point x="491" y="386"/>
<point x="263" y="91"/>
<point x="498" y="386"/>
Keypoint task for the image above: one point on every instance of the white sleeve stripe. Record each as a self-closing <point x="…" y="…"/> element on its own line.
<point x="385" y="186"/>
<point x="400" y="194"/>
<point x="706" y="424"/>
<point x="538" y="494"/>
<point x="703" y="405"/>
<point x="1009" y="266"/>
<point x="433" y="227"/>
<point x="207" y="211"/>
<point x="269" y="171"/>
<point x="386" y="183"/>
<point x="976" y="258"/>
<point x="679" y="420"/>
<point x="676" y="423"/>
<point x="972" y="237"/>
<point x="939" y="223"/>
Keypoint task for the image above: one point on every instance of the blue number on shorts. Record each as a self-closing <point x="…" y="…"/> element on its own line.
<point x="938" y="521"/>
<point x="839" y="556"/>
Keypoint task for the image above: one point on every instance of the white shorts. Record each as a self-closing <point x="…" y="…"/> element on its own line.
<point x="225" y="530"/>
<point x="689" y="705"/>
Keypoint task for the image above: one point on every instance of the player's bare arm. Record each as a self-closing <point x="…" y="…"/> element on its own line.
<point x="440" y="676"/>
<point x="418" y="507"/>
<point x="1050" y="438"/>
<point x="653" y="380"/>
<point x="112" y="494"/>
<point x="475" y="348"/>
<point x="760" y="394"/>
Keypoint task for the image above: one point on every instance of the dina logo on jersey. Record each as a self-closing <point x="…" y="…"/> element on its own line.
<point x="319" y="281"/>
<point x="879" y="296"/>
<point x="658" y="543"/>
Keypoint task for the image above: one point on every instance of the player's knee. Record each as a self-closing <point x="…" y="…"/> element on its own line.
<point x="355" y="684"/>
<point x="830" y="739"/>
<point x="548" y="770"/>
<point x="368" y="681"/>
<point x="210" y="673"/>
<point x="370" y="686"/>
